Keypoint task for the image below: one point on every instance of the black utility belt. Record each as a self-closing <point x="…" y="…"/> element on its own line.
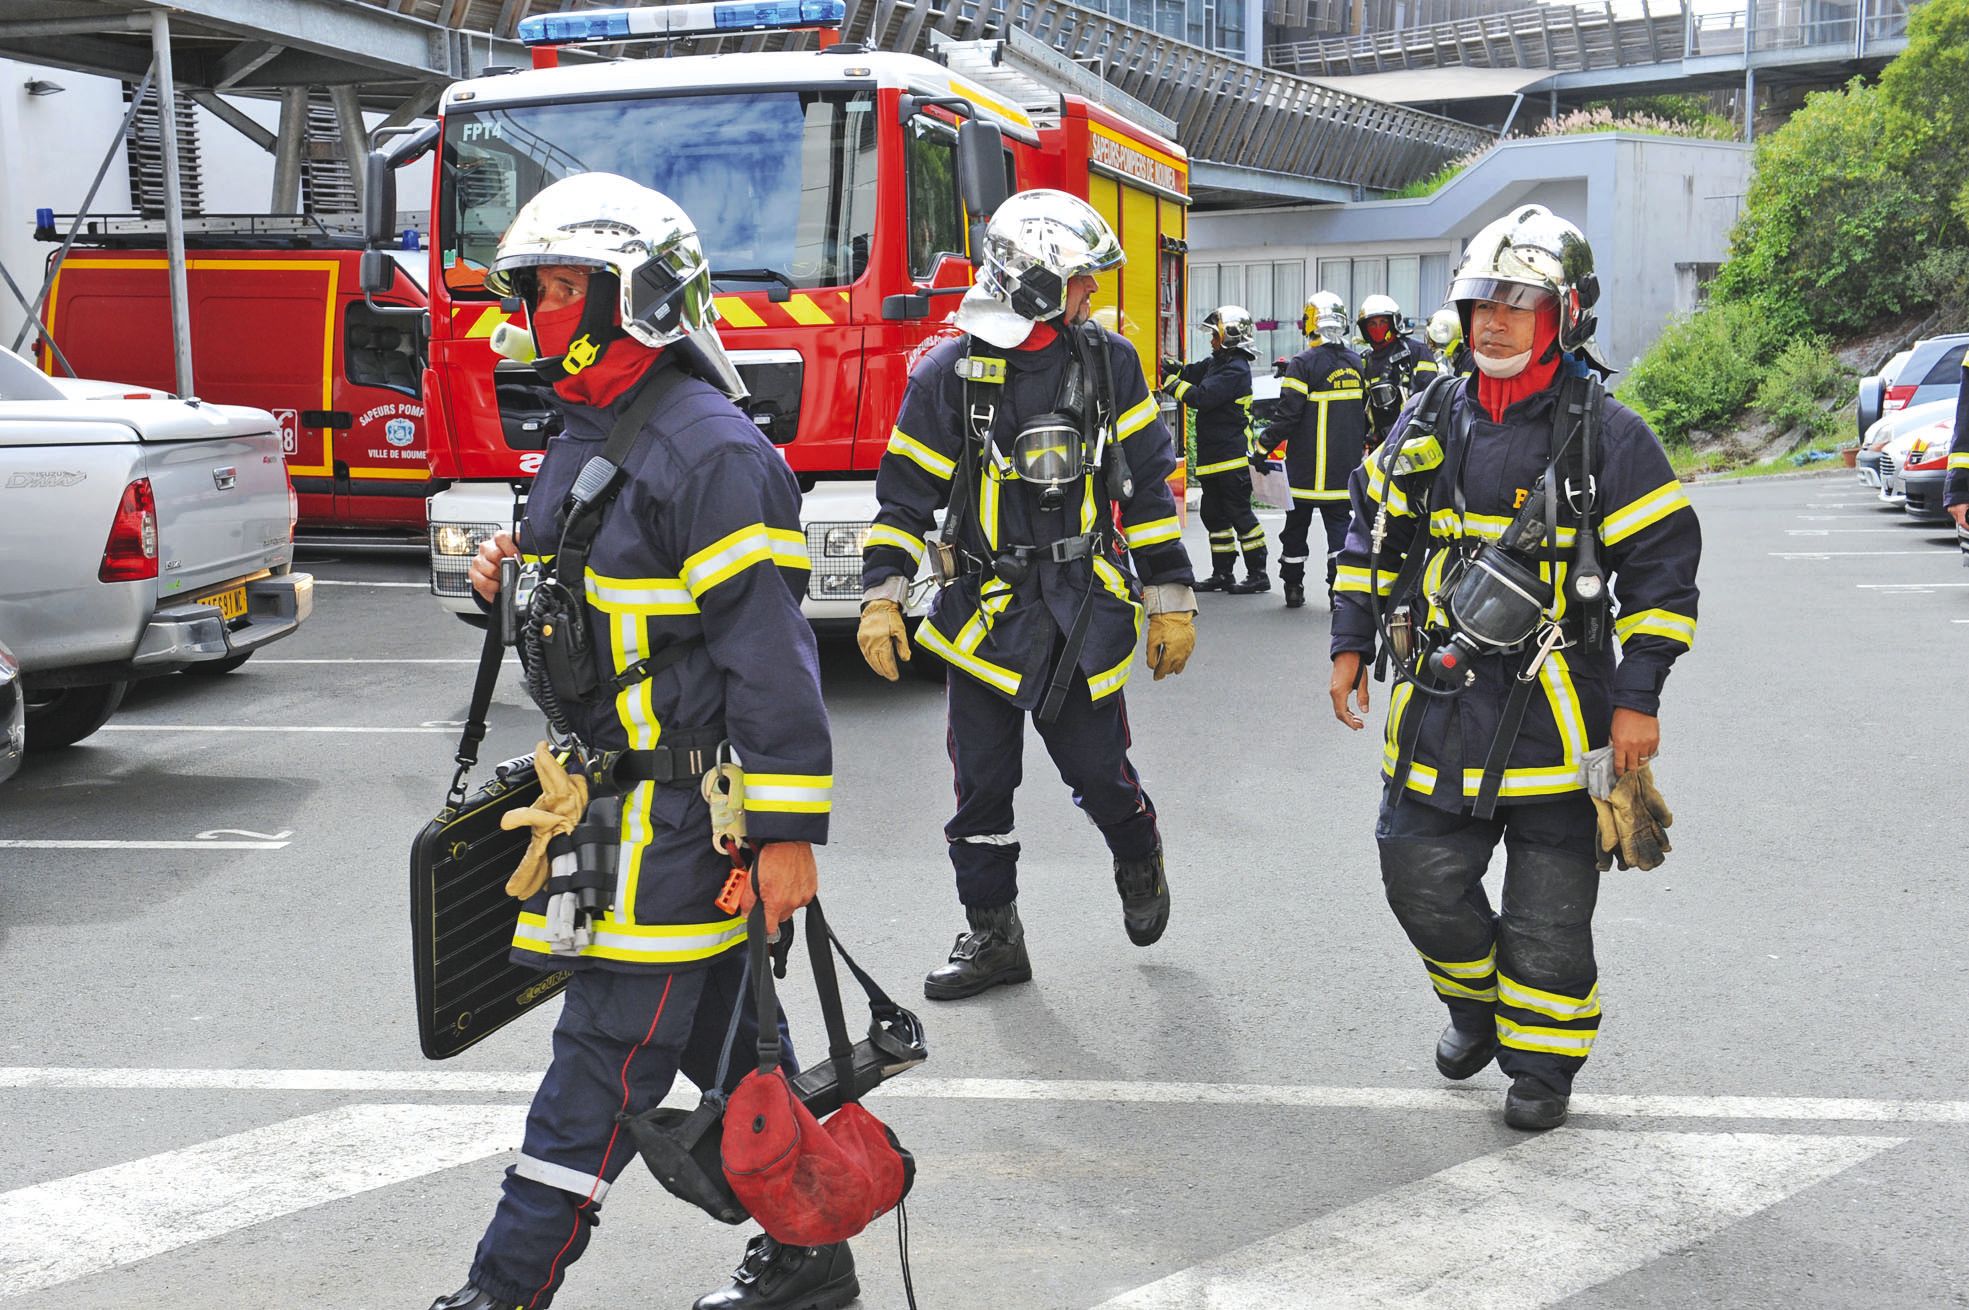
<point x="685" y="758"/>
<point x="1013" y="564"/>
<point x="1063" y="551"/>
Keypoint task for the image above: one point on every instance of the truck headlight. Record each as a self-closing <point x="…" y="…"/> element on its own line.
<point x="845" y="541"/>
<point x="460" y="538"/>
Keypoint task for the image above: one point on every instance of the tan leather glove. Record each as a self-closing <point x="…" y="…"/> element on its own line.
<point x="883" y="637"/>
<point x="563" y="798"/>
<point x="1172" y="636"/>
<point x="1634" y="822"/>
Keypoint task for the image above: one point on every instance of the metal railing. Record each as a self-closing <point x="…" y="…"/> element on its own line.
<point x="1571" y="38"/>
<point x="1786" y="26"/>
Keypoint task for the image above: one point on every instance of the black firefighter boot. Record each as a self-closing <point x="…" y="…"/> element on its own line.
<point x="1462" y="1053"/>
<point x="992" y="954"/>
<point x="1255" y="579"/>
<point x="1144" y="888"/>
<point x="1532" y="1106"/>
<point x="1223" y="574"/>
<point x="471" y="1298"/>
<point x="777" y="1277"/>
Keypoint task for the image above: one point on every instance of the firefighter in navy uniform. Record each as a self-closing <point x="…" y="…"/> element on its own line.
<point x="1460" y="587"/>
<point x="1321" y="419"/>
<point x="696" y="567"/>
<point x="1445" y="333"/>
<point x="1034" y="428"/>
<point x="1395" y="366"/>
<point x="1219" y="390"/>
<point x="1955" y="486"/>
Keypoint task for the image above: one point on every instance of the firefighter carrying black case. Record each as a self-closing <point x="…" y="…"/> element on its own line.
<point x="461" y="919"/>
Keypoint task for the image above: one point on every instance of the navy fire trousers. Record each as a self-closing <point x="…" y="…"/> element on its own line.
<point x="1089" y="745"/>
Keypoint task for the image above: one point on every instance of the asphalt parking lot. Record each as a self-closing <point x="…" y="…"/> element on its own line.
<point x="215" y="1097"/>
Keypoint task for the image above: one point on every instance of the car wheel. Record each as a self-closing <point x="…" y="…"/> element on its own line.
<point x="213" y="668"/>
<point x="65" y="715"/>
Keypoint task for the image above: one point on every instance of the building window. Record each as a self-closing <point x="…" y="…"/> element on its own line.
<point x="1274" y="293"/>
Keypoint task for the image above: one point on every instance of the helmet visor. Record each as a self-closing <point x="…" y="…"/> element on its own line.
<point x="1518" y="295"/>
<point x="511" y="274"/>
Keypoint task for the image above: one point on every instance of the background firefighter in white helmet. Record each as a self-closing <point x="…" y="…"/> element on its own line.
<point x="1034" y="428"/>
<point x="1445" y="333"/>
<point x="689" y="596"/>
<point x="1321" y="420"/>
<point x="1394" y="365"/>
<point x="1218" y="389"/>
<point x="1489" y="533"/>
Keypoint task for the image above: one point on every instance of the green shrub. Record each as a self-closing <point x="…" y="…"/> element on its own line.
<point x="1941" y="281"/>
<point x="1804" y="387"/>
<point x="1702" y="370"/>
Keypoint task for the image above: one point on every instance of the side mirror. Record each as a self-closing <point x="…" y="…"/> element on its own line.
<point x="980" y="174"/>
<point x="905" y="308"/>
<point x="379" y="200"/>
<point x="378" y="271"/>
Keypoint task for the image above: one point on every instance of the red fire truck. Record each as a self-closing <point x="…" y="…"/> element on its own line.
<point x="824" y="187"/>
<point x="279" y="322"/>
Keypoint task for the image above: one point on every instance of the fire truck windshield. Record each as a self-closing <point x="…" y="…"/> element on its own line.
<point x="779" y="182"/>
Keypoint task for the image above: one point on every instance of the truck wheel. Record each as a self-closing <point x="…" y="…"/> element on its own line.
<point x="66" y="715"/>
<point x="213" y="668"/>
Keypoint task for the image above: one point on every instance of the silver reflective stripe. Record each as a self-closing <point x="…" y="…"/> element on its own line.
<point x="587" y="1186"/>
<point x="992" y="839"/>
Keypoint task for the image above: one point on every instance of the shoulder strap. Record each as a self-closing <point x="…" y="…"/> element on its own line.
<point x="491" y="655"/>
<point x="601" y="478"/>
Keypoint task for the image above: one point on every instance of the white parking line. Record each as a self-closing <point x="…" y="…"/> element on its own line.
<point x="1830" y="554"/>
<point x="106" y="845"/>
<point x="56" y="1231"/>
<point x="1906" y="586"/>
<point x="1454" y="1100"/>
<point x="1827" y="532"/>
<point x="1599" y="1204"/>
<point x="339" y="582"/>
<point x="249" y="727"/>
<point x="258" y="662"/>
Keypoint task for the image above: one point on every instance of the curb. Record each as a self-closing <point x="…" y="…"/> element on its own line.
<point x="1806" y="475"/>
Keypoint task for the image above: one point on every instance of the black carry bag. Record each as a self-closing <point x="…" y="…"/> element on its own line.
<point x="461" y="919"/>
<point x="684" y="1148"/>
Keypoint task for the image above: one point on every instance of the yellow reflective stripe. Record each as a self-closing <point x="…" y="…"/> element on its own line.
<point x="1135" y="419"/>
<point x="638" y="595"/>
<point x="984" y="671"/>
<point x="882" y="534"/>
<point x="1427" y="366"/>
<point x="995" y="596"/>
<point x="1293" y="383"/>
<point x="1337" y="393"/>
<point x="1489" y="527"/>
<point x="1552" y="1041"/>
<point x="937" y="466"/>
<point x="1464" y="969"/>
<point x="737" y="551"/>
<point x="1556" y="678"/>
<point x="535" y="559"/>
<point x="1528" y="782"/>
<point x="1656" y="623"/>
<point x="789" y="793"/>
<point x="1550" y="1004"/>
<point x="1181" y="389"/>
<point x="1351" y="577"/>
<point x="1148" y="534"/>
<point x="1960" y="459"/>
<point x="1377" y="485"/>
<point x="1448" y="988"/>
<point x="1112" y="680"/>
<point x="1298" y="494"/>
<point x="653" y="943"/>
<point x="635" y="709"/>
<point x="1221" y="466"/>
<point x="1651" y="508"/>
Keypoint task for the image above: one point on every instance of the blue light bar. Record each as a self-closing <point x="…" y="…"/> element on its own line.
<point x="704" y="19"/>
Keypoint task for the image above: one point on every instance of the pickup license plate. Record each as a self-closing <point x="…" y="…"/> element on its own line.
<point x="231" y="602"/>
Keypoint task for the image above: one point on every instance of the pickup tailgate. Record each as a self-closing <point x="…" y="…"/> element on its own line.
<point x="221" y="489"/>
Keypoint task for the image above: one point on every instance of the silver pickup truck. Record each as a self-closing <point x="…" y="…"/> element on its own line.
<point x="139" y="535"/>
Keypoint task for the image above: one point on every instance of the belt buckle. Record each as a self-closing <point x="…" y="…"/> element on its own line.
<point x="1552" y="638"/>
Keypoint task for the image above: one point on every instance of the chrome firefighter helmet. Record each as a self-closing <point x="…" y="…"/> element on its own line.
<point x="1531" y="258"/>
<point x="645" y="259"/>
<point x="1379" y="307"/>
<point x="1034" y="245"/>
<point x="1445" y="328"/>
<point x="1234" y="329"/>
<point x="1325" y="316"/>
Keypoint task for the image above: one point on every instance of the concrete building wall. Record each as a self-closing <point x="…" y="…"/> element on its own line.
<point x="51" y="145"/>
<point x="1646" y="204"/>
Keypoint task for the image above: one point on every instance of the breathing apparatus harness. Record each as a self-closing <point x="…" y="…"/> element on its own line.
<point x="1493" y="597"/>
<point x="1052" y="451"/>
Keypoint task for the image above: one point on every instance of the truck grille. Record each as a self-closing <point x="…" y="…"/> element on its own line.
<point x="451" y="574"/>
<point x="834" y="549"/>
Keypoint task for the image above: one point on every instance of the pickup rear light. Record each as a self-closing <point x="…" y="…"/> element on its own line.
<point x="1896" y="398"/>
<point x="131" y="554"/>
<point x="293" y="510"/>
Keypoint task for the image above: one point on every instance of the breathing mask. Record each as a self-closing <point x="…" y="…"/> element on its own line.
<point x="1050" y="451"/>
<point x="1495" y="599"/>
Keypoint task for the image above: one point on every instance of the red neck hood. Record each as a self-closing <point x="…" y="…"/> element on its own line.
<point x="1499" y="394"/>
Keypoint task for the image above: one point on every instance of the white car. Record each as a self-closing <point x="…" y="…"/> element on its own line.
<point x="1884" y="453"/>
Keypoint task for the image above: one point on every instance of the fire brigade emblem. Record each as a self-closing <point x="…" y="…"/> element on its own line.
<point x="399" y="432"/>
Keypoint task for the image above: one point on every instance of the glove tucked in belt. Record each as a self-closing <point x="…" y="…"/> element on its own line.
<point x="1633" y="818"/>
<point x="563" y="799"/>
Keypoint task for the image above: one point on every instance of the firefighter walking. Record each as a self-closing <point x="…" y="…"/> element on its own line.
<point x="1321" y="420"/>
<point x="1393" y="365"/>
<point x="1034" y="428"/>
<point x="1218" y="389"/>
<point x="1488" y="535"/>
<point x="687" y="582"/>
